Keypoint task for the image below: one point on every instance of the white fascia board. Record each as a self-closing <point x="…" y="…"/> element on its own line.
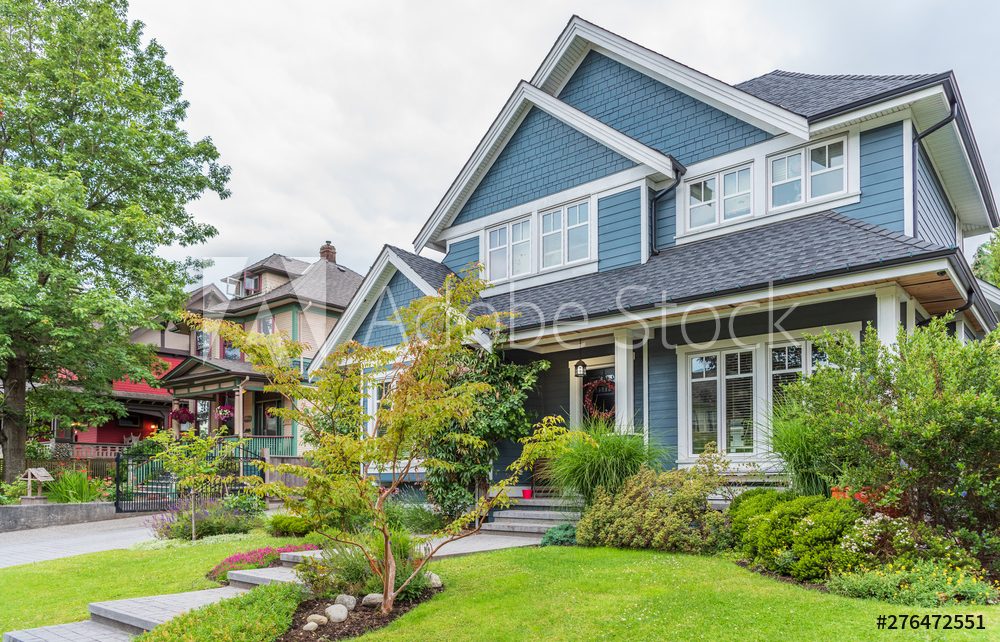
<point x="723" y="96"/>
<point x="524" y="97"/>
<point x="875" y="110"/>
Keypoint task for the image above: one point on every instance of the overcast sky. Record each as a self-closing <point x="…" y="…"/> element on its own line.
<point x="347" y="121"/>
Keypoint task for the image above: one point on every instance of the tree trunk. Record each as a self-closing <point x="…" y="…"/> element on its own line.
<point x="389" y="576"/>
<point x="15" y="418"/>
<point x="193" y="530"/>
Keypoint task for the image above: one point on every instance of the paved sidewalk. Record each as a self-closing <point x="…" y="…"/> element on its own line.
<point x="53" y="542"/>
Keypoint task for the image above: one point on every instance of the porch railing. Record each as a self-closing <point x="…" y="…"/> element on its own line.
<point x="97" y="451"/>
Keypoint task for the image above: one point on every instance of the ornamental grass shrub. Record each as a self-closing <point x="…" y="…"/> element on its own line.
<point x="666" y="511"/>
<point x="75" y="487"/>
<point x="925" y="583"/>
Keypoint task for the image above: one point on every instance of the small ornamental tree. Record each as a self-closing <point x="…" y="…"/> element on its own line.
<point x="425" y="397"/>
<point x="914" y="426"/>
<point x="199" y="463"/>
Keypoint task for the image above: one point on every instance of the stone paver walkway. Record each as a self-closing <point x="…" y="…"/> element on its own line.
<point x="53" y="542"/>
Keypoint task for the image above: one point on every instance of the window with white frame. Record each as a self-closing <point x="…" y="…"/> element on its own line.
<point x="565" y="235"/>
<point x="808" y="173"/>
<point x="374" y="401"/>
<point x="266" y="325"/>
<point x="509" y="250"/>
<point x="722" y="401"/>
<point x="708" y="206"/>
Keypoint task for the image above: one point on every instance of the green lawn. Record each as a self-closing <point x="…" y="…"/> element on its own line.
<point x="58" y="591"/>
<point x="603" y="594"/>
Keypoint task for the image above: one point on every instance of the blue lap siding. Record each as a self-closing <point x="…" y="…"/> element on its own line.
<point x="379" y="327"/>
<point x="462" y="255"/>
<point x="653" y="113"/>
<point x="619" y="225"/>
<point x="935" y="218"/>
<point x="542" y="157"/>
<point x="881" y="178"/>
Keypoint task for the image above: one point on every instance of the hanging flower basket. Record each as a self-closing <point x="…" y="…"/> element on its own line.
<point x="182" y="415"/>
<point x="590" y="399"/>
<point x="224" y="413"/>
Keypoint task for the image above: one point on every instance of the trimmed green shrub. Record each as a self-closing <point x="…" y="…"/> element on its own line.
<point x="561" y="535"/>
<point x="816" y="538"/>
<point x="603" y="458"/>
<point x="12" y="493"/>
<point x="211" y="518"/>
<point x="245" y="503"/>
<point x="284" y="525"/>
<point x="877" y="540"/>
<point x="667" y="511"/>
<point x="925" y="583"/>
<point x="742" y="513"/>
<point x="769" y="539"/>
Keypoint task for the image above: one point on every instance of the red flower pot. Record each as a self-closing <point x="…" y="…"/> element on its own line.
<point x="527" y="493"/>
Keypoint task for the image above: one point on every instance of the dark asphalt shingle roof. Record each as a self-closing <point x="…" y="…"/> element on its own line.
<point x="275" y="263"/>
<point x="812" y="95"/>
<point x="324" y="282"/>
<point x="427" y="269"/>
<point x="796" y="250"/>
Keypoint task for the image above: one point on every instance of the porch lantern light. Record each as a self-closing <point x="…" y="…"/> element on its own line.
<point x="580" y="369"/>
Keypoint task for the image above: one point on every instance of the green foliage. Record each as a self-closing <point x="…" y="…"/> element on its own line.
<point x="915" y="425"/>
<point x="260" y="615"/>
<point x="668" y="511"/>
<point x="816" y="538"/>
<point x="74" y="487"/>
<point x="245" y="503"/>
<point x="926" y="583"/>
<point x="37" y="451"/>
<point x="791" y="439"/>
<point x="500" y="415"/>
<point x="879" y="539"/>
<point x="769" y="537"/>
<point x="96" y="172"/>
<point x="985" y="264"/>
<point x="12" y="493"/>
<point x="147" y="447"/>
<point x="284" y="525"/>
<point x="561" y="535"/>
<point x="751" y="505"/>
<point x="205" y="521"/>
<point x="413" y="517"/>
<point x="599" y="457"/>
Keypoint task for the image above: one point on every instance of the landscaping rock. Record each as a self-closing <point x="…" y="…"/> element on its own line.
<point x="310" y="626"/>
<point x="349" y="601"/>
<point x="435" y="580"/>
<point x="372" y="600"/>
<point x="318" y="619"/>
<point x="337" y="612"/>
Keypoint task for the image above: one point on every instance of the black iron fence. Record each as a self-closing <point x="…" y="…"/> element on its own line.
<point x="95" y="468"/>
<point x="142" y="484"/>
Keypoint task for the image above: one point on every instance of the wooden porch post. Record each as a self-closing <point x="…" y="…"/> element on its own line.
<point x="238" y="412"/>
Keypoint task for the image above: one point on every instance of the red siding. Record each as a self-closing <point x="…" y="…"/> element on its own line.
<point x="124" y="385"/>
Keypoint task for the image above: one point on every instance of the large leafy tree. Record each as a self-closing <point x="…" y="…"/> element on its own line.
<point x="96" y="173"/>
<point x="985" y="265"/>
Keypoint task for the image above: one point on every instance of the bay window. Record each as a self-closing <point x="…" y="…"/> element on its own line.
<point x="708" y="206"/>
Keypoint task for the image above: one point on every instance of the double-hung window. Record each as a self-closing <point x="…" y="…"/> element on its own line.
<point x="808" y="173"/>
<point x="509" y="250"/>
<point x="202" y="344"/>
<point x="266" y="325"/>
<point x="566" y="235"/>
<point x="708" y="206"/>
<point x="722" y="401"/>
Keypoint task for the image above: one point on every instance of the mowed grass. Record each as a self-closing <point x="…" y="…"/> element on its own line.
<point x="58" y="591"/>
<point x="603" y="594"/>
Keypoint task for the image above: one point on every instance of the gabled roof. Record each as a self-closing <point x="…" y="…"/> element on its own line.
<point x="524" y="98"/>
<point x="818" y="96"/>
<point x="324" y="282"/>
<point x="221" y="366"/>
<point x="276" y="263"/>
<point x="753" y="259"/>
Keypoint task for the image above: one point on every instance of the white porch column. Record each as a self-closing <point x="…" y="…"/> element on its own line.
<point x="624" y="410"/>
<point x="238" y="412"/>
<point x="887" y="313"/>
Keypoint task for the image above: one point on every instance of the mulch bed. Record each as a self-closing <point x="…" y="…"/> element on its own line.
<point x="359" y="621"/>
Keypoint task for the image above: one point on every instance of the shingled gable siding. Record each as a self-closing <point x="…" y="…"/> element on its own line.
<point x="653" y="113"/>
<point x="542" y="157"/>
<point x="461" y="255"/>
<point x="619" y="230"/>
<point x="378" y="328"/>
<point x="666" y="219"/>
<point x="881" y="179"/>
<point x="935" y="218"/>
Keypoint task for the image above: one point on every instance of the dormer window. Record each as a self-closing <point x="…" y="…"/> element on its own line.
<point x="808" y="174"/>
<point x="251" y="284"/>
<point x="708" y="206"/>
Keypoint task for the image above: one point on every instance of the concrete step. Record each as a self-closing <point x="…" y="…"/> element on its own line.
<point x="541" y="522"/>
<point x="291" y="559"/>
<point x="258" y="576"/>
<point x="542" y="515"/>
<point x="141" y="614"/>
<point x="518" y="526"/>
<point x="544" y="503"/>
<point x="86" y="631"/>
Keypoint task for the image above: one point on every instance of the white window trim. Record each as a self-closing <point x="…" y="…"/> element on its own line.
<point x="804" y="153"/>
<point x="760" y="344"/>
<point x="720" y="220"/>
<point x="564" y="232"/>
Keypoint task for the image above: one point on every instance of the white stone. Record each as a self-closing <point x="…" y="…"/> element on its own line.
<point x="310" y="626"/>
<point x="347" y="600"/>
<point x="337" y="612"/>
<point x="318" y="619"/>
<point x="372" y="600"/>
<point x="435" y="580"/>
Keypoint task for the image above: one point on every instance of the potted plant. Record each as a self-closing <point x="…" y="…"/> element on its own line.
<point x="183" y="416"/>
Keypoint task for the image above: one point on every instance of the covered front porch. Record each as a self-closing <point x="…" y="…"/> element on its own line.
<point x="229" y="395"/>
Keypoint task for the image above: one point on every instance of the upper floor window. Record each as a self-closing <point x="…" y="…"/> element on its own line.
<point x="266" y="325"/>
<point x="250" y="284"/>
<point x="509" y="250"/>
<point x="202" y="344"/>
<point x="230" y="352"/>
<point x="707" y="206"/>
<point x="566" y="235"/>
<point x="808" y="173"/>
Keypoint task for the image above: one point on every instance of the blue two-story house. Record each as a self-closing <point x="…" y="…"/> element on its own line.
<point x="669" y="240"/>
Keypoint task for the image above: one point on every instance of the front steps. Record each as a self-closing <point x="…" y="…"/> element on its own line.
<point x="532" y="516"/>
<point x="120" y="620"/>
<point x="250" y="578"/>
